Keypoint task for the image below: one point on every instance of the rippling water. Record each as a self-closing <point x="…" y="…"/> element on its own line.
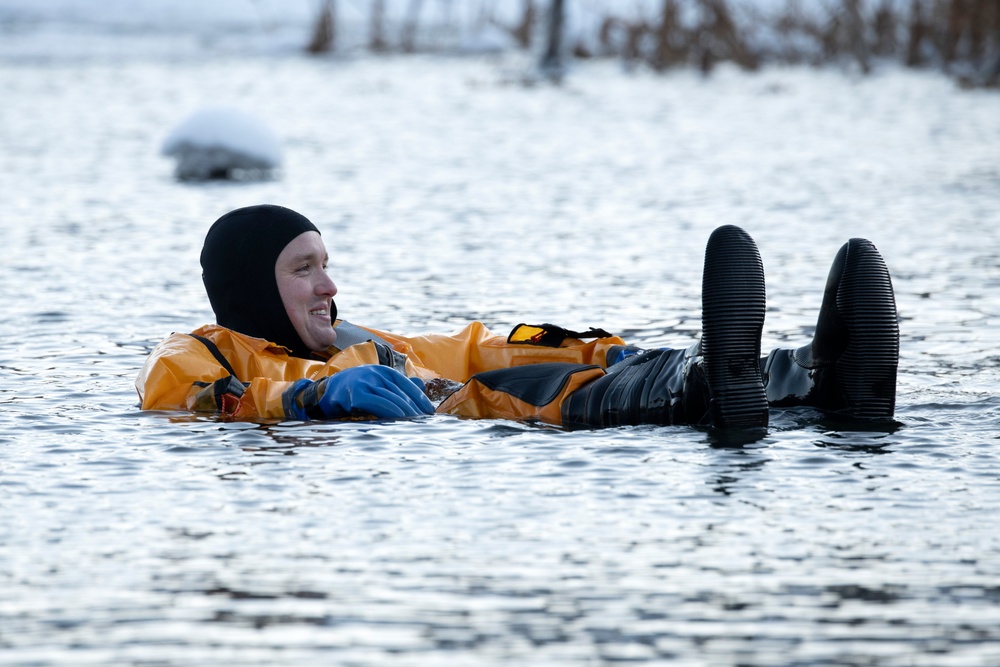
<point x="449" y="191"/>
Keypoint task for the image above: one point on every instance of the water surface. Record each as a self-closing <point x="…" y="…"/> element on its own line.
<point x="448" y="191"/>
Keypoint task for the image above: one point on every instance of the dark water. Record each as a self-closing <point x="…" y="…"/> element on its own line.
<point x="447" y="191"/>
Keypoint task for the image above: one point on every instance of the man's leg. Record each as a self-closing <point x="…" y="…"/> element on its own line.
<point x="717" y="383"/>
<point x="850" y="366"/>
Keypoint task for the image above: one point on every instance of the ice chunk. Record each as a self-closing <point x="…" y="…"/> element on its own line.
<point x="223" y="142"/>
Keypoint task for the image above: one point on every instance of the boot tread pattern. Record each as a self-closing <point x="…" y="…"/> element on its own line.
<point x="733" y="304"/>
<point x="868" y="367"/>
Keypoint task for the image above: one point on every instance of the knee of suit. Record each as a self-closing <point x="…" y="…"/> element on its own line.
<point x="645" y="388"/>
<point x="531" y="392"/>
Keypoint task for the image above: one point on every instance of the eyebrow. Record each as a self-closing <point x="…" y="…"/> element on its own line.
<point x="309" y="256"/>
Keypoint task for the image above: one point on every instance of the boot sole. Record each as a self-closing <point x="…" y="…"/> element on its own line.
<point x="865" y="299"/>
<point x="733" y="302"/>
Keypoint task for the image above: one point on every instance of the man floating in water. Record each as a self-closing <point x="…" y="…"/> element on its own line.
<point x="278" y="350"/>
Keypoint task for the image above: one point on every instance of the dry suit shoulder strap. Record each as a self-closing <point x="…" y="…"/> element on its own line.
<point x="216" y="352"/>
<point x="549" y="335"/>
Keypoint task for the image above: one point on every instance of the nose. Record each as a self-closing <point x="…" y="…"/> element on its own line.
<point x="326" y="286"/>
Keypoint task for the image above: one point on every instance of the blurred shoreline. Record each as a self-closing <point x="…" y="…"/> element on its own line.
<point x="958" y="37"/>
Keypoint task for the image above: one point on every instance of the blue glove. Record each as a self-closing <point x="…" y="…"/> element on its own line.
<point x="378" y="391"/>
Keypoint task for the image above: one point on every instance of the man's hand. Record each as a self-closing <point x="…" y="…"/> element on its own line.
<point x="377" y="391"/>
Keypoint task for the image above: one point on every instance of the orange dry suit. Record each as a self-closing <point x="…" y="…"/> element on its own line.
<point x="541" y="373"/>
<point x="527" y="375"/>
<point x="544" y="373"/>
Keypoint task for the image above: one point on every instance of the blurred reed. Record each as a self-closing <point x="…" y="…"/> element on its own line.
<point x="961" y="37"/>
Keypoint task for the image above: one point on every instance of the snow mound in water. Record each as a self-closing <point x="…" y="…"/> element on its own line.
<point x="223" y="142"/>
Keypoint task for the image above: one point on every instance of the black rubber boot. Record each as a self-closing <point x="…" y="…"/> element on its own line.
<point x="733" y="303"/>
<point x="850" y="366"/>
<point x="715" y="383"/>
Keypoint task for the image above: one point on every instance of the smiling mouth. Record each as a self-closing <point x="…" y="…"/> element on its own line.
<point x="321" y="312"/>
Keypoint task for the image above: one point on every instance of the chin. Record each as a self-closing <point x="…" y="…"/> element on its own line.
<point x="323" y="342"/>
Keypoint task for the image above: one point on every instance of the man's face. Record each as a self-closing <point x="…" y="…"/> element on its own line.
<point x="306" y="289"/>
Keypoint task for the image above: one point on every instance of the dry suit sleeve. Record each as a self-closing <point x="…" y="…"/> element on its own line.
<point x="182" y="374"/>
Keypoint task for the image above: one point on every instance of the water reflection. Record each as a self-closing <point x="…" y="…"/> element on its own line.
<point x="730" y="481"/>
<point x="858" y="437"/>
<point x="724" y="438"/>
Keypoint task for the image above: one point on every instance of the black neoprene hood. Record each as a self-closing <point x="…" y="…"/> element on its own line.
<point x="237" y="261"/>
